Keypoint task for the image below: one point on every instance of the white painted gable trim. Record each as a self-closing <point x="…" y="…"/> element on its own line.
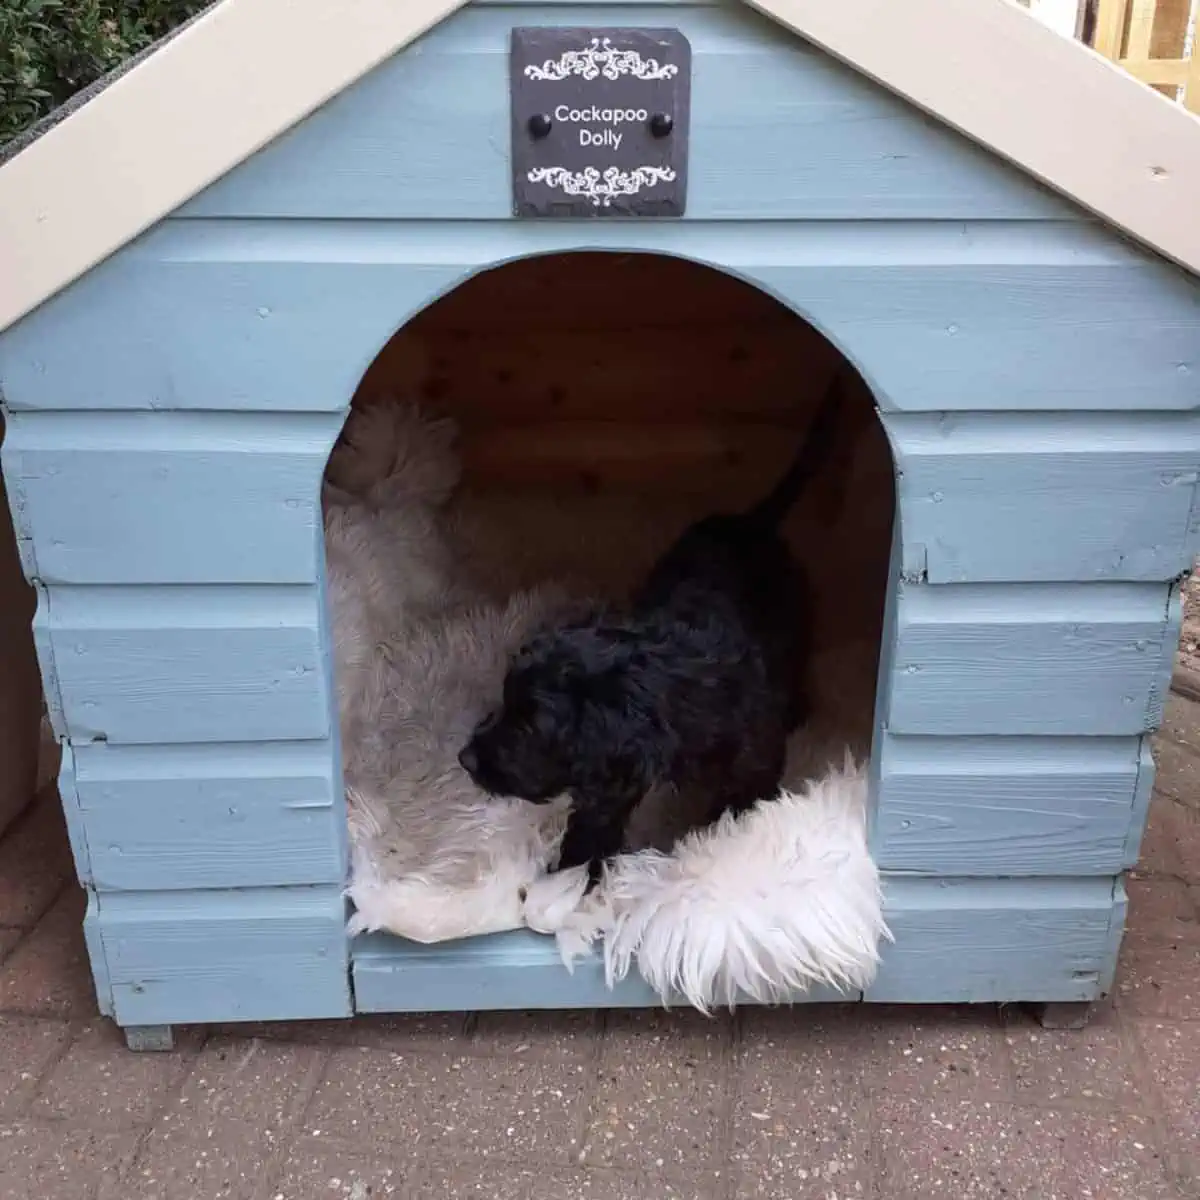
<point x="1052" y="106"/>
<point x="244" y="73"/>
<point x="249" y="70"/>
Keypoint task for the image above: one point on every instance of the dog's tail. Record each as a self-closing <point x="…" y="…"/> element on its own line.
<point x="818" y="443"/>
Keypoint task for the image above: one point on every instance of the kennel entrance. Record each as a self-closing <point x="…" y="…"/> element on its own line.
<point x="603" y="403"/>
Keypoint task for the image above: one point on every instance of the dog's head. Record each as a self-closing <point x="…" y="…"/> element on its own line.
<point x="522" y="748"/>
<point x="573" y="718"/>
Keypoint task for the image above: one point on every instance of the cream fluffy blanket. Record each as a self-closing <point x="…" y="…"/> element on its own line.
<point x="430" y="592"/>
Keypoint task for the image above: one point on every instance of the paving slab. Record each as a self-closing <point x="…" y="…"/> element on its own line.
<point x="223" y="1163"/>
<point x="1092" y="1066"/>
<point x="1159" y="977"/>
<point x="315" y="1168"/>
<point x="50" y="1161"/>
<point x="28" y="1049"/>
<point x="97" y="1084"/>
<point x="47" y="973"/>
<point x="798" y="1134"/>
<point x="664" y="1091"/>
<point x="1160" y="908"/>
<point x="469" y="1106"/>
<point x="1172" y="1050"/>
<point x="934" y="1147"/>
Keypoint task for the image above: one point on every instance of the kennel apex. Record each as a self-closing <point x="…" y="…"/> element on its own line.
<point x="199" y="262"/>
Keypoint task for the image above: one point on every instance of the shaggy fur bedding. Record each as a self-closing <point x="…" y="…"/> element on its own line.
<point x="431" y="589"/>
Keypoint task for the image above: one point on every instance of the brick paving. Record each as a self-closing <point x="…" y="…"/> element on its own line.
<point x="821" y="1103"/>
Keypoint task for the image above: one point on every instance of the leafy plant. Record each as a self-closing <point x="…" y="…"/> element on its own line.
<point x="51" y="49"/>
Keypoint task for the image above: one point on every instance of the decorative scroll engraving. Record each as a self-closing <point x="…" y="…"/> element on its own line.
<point x="601" y="57"/>
<point x="601" y="188"/>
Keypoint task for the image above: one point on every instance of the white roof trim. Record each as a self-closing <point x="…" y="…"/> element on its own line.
<point x="241" y="75"/>
<point x="1052" y="106"/>
<point x="249" y="70"/>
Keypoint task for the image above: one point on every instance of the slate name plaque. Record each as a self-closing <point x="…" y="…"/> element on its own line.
<point x="599" y="122"/>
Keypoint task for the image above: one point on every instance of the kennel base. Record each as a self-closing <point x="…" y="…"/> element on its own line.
<point x="273" y="957"/>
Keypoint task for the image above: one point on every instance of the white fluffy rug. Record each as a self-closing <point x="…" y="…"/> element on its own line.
<point x="430" y="592"/>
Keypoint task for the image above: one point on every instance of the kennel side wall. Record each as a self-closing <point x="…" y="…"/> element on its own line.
<point x="171" y="413"/>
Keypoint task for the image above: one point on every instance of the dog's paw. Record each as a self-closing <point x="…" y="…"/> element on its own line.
<point x="550" y="900"/>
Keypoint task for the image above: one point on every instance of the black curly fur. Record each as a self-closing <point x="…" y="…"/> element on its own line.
<point x="697" y="683"/>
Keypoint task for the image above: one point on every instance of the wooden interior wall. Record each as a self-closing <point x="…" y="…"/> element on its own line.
<point x="611" y="370"/>
<point x="20" y="686"/>
<point x="599" y="373"/>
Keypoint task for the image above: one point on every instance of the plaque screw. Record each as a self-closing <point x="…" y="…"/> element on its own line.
<point x="661" y="124"/>
<point x="540" y="125"/>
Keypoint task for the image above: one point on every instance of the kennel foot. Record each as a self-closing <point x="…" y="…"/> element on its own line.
<point x="1063" y="1014"/>
<point x="149" y="1038"/>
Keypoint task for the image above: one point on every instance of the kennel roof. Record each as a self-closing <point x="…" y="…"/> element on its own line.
<point x="149" y="138"/>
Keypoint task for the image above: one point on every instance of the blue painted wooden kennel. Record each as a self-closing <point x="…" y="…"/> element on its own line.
<point x="170" y="413"/>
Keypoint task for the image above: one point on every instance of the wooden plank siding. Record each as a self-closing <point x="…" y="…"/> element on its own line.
<point x="1032" y="659"/>
<point x="172" y="497"/>
<point x="222" y="815"/>
<point x="938" y="316"/>
<point x="208" y="498"/>
<point x="182" y="660"/>
<point x="974" y="941"/>
<point x="1009" y="806"/>
<point x="273" y="954"/>
<point x="1055" y="497"/>
<point x="808" y="139"/>
<point x="517" y="970"/>
<point x="159" y="665"/>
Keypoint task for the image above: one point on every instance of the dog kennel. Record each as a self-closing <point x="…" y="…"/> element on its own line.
<point x="202" y="261"/>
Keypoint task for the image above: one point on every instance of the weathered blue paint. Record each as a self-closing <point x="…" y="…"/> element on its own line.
<point x="1006" y="806"/>
<point x="241" y="955"/>
<point x="97" y="958"/>
<point x="170" y="414"/>
<point x="1143" y="794"/>
<point x="77" y="829"/>
<point x="206" y="497"/>
<point x="161" y="665"/>
<point x="937" y="315"/>
<point x="426" y="135"/>
<point x="1111" y="497"/>
<point x="961" y="941"/>
<point x="1116" y="931"/>
<point x="884" y="676"/>
<point x="222" y="815"/>
<point x="974" y="941"/>
<point x="176" y="497"/>
<point x="519" y="970"/>
<point x="1031" y="659"/>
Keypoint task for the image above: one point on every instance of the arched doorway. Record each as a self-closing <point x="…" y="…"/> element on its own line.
<point x="602" y="401"/>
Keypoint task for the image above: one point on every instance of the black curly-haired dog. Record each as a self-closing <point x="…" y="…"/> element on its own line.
<point x="697" y="683"/>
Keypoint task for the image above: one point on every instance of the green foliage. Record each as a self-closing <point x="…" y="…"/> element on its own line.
<point x="50" y="49"/>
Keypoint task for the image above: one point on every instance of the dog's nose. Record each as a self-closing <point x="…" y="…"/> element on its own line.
<point x="468" y="760"/>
